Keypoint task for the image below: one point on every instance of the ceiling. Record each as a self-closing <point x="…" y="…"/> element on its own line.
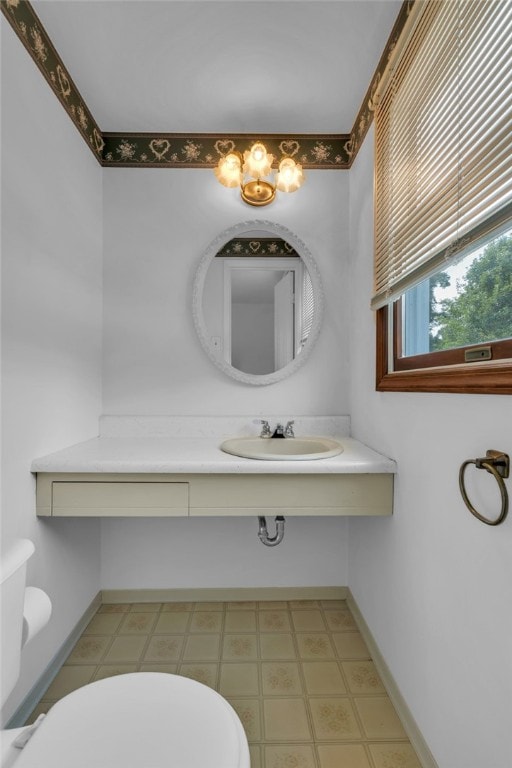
<point x="221" y="66"/>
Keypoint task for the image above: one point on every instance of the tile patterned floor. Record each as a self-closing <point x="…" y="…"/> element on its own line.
<point x="298" y="673"/>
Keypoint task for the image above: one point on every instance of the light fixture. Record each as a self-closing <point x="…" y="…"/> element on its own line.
<point x="250" y="171"/>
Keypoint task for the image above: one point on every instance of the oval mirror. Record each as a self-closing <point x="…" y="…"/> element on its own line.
<point x="257" y="302"/>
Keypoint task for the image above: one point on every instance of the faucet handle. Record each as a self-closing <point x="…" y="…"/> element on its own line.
<point x="288" y="430"/>
<point x="265" y="429"/>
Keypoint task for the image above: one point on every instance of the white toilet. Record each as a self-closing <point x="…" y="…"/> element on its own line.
<point x="138" y="720"/>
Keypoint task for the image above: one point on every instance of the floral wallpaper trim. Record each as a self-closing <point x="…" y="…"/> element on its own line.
<point x="258" y="246"/>
<point x="32" y="34"/>
<point x="176" y="150"/>
<point x="203" y="150"/>
<point x="365" y="115"/>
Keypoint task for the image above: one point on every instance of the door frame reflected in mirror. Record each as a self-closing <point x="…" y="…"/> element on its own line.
<point x="285" y="328"/>
<point x="248" y="229"/>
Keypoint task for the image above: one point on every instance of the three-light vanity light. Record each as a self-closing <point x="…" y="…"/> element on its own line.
<point x="251" y="173"/>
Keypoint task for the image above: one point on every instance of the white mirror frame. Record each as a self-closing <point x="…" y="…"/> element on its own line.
<point x="197" y="297"/>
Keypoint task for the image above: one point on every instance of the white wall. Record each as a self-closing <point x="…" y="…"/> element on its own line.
<point x="157" y="225"/>
<point x="222" y="552"/>
<point x="51" y="335"/>
<point x="432" y="582"/>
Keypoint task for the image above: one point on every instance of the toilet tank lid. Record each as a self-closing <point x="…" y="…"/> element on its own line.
<point x="15" y="558"/>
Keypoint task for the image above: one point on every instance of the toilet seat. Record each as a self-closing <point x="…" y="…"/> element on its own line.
<point x="139" y="720"/>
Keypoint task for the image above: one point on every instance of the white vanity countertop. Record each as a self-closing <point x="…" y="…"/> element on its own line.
<point x="193" y="455"/>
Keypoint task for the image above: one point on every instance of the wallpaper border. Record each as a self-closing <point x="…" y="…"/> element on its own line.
<point x="27" y="25"/>
<point x="193" y="150"/>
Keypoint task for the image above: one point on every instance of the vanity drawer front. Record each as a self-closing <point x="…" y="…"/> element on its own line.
<point x="123" y="499"/>
<point x="292" y="495"/>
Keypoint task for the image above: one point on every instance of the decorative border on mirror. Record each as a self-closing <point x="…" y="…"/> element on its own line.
<point x="203" y="150"/>
<point x="25" y="22"/>
<point x="177" y="150"/>
<point x="257" y="246"/>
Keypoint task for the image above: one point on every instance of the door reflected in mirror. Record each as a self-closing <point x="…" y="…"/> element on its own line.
<point x="257" y="303"/>
<point x="259" y="309"/>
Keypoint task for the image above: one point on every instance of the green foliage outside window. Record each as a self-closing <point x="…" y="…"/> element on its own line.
<point x="481" y="311"/>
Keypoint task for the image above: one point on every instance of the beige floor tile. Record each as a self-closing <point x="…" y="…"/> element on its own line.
<point x="206" y="606"/>
<point x="114" y="608"/>
<point x="281" y="678"/>
<point x="163" y="668"/>
<point x="68" y="679"/>
<point x="203" y="673"/>
<point x="145" y="607"/>
<point x="164" y="648"/>
<point x="338" y="621"/>
<point x="343" y="756"/>
<point x="206" y="621"/>
<point x="172" y="622"/>
<point x="125" y="648"/>
<point x="255" y="756"/>
<point x="274" y="621"/>
<point x="247" y="650"/>
<point x="379" y="718"/>
<point x="362" y="677"/>
<point x="394" y="756"/>
<point x="177" y="607"/>
<point x="323" y="677"/>
<point x="277" y="646"/>
<point x="308" y="621"/>
<point x="239" y="680"/>
<point x="315" y="646"/>
<point x="89" y="650"/>
<point x="334" y="719"/>
<point x="104" y="624"/>
<point x="138" y="624"/>
<point x="285" y="720"/>
<point x="350" y="645"/>
<point x="202" y="648"/>
<point x="239" y="647"/>
<point x="272" y="605"/>
<point x="306" y="604"/>
<point x="112" y="670"/>
<point x="240" y="621"/>
<point x="290" y="755"/>
<point x="248" y="710"/>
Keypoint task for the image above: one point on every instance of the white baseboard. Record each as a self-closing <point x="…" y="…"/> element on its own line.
<point x="35" y="694"/>
<point x="207" y="594"/>
<point x="404" y="713"/>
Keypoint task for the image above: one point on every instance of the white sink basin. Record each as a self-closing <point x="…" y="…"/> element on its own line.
<point x="282" y="449"/>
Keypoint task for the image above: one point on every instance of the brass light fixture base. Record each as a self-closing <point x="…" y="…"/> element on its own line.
<point x="258" y="192"/>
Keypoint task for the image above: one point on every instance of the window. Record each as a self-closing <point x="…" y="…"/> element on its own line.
<point x="443" y="203"/>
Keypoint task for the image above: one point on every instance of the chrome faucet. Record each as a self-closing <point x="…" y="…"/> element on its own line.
<point x="288" y="430"/>
<point x="265" y="429"/>
<point x="279" y="431"/>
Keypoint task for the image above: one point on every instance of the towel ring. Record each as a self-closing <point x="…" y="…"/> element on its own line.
<point x="498" y="464"/>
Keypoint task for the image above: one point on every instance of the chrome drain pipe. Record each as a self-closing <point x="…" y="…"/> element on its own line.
<point x="271" y="541"/>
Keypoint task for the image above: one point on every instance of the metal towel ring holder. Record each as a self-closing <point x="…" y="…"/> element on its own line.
<point x="498" y="464"/>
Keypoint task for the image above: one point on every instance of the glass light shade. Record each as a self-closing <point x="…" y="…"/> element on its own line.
<point x="229" y="171"/>
<point x="257" y="161"/>
<point x="290" y="176"/>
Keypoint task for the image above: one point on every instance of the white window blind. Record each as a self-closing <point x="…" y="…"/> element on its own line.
<point x="307" y="308"/>
<point x="443" y="144"/>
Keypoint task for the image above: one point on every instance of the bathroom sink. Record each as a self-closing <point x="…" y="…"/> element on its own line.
<point x="282" y="449"/>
